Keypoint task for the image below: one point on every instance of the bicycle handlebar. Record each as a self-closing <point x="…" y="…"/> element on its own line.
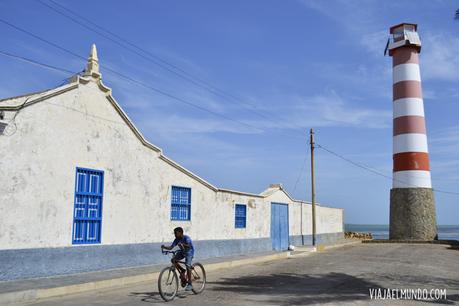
<point x="165" y="252"/>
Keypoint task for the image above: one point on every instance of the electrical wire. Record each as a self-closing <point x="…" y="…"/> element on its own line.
<point x="367" y="168"/>
<point x="187" y="102"/>
<point x="122" y="42"/>
<point x="303" y="166"/>
<point x="11" y="127"/>
<point x="164" y="93"/>
<point x="214" y="89"/>
<point x="364" y="167"/>
<point x="36" y="62"/>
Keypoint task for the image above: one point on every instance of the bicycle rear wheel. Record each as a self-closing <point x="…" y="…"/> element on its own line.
<point x="198" y="277"/>
<point x="168" y="284"/>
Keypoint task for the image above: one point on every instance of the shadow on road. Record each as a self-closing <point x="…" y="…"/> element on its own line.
<point x="299" y="289"/>
<point x="154" y="297"/>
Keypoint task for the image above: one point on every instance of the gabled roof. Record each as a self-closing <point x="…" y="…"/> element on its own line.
<point x="92" y="74"/>
<point x="273" y="188"/>
<point x="14" y="102"/>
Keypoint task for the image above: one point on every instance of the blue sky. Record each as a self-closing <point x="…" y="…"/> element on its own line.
<point x="303" y="64"/>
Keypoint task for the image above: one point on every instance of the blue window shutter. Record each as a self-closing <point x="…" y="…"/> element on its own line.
<point x="181" y="203"/>
<point x="240" y="216"/>
<point x="87" y="213"/>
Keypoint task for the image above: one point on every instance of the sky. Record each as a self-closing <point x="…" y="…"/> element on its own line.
<point x="283" y="66"/>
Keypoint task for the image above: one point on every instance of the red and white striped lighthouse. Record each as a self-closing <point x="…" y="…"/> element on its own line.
<point x="412" y="208"/>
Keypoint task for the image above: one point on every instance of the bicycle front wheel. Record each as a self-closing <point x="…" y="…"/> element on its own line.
<point x="168" y="284"/>
<point x="198" y="276"/>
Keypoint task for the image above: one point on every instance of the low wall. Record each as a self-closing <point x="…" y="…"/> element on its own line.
<point x="327" y="238"/>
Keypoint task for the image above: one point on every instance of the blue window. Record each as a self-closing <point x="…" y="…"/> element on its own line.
<point x="240" y="216"/>
<point x="181" y="203"/>
<point x="87" y="213"/>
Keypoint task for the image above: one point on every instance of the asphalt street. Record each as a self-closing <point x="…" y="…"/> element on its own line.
<point x="342" y="276"/>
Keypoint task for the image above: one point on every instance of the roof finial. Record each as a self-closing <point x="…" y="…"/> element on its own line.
<point x="92" y="67"/>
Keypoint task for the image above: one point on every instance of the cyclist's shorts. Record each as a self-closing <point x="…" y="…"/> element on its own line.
<point x="188" y="258"/>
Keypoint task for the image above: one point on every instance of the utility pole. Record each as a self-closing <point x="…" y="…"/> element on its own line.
<point x="313" y="188"/>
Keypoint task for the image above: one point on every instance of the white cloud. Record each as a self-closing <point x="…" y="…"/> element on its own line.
<point x="374" y="42"/>
<point x="296" y="113"/>
<point x="352" y="14"/>
<point x="429" y="94"/>
<point x="444" y="145"/>
<point x="331" y="109"/>
<point x="449" y="136"/>
<point x="173" y="124"/>
<point x="439" y="57"/>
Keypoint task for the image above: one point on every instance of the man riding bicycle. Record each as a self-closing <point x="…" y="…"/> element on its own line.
<point x="186" y="251"/>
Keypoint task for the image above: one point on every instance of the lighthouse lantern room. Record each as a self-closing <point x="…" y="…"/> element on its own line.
<point x="404" y="34"/>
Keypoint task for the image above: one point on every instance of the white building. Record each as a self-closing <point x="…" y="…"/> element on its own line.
<point x="81" y="189"/>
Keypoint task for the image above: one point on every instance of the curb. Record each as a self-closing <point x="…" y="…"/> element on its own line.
<point x="334" y="246"/>
<point x="323" y="247"/>
<point x="43" y="293"/>
<point x="445" y="242"/>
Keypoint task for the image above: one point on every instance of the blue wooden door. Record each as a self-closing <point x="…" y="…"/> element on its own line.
<point x="279" y="226"/>
<point x="275" y="233"/>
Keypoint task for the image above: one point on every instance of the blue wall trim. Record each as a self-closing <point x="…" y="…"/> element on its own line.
<point x="42" y="262"/>
<point x="32" y="263"/>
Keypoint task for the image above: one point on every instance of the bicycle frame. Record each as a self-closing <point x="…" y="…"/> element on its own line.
<point x="180" y="262"/>
<point x="170" y="277"/>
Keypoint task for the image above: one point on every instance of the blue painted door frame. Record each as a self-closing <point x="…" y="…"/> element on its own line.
<point x="279" y="226"/>
<point x="87" y="212"/>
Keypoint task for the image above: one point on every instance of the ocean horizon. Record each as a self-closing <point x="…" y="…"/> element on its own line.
<point x="381" y="231"/>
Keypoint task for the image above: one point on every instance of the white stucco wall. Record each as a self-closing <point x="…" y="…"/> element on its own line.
<point x="80" y="128"/>
<point x="328" y="220"/>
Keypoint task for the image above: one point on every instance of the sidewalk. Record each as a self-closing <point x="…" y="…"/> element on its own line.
<point x="40" y="288"/>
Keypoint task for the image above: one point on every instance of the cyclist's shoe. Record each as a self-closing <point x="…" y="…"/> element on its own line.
<point x="189" y="287"/>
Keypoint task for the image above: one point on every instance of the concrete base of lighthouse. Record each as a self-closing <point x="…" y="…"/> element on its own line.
<point x="412" y="214"/>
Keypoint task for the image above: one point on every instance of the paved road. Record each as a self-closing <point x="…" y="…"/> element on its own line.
<point x="336" y="276"/>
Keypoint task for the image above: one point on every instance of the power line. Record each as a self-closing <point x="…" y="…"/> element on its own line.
<point x="44" y="65"/>
<point x="300" y="175"/>
<point x="36" y="62"/>
<point x="228" y="118"/>
<point x="129" y="78"/>
<point x="378" y="172"/>
<point x="12" y="122"/>
<point x="178" y="98"/>
<point x="53" y="68"/>
<point x="42" y="39"/>
<point x="164" y="93"/>
<point x="152" y="57"/>
<point x="367" y="168"/>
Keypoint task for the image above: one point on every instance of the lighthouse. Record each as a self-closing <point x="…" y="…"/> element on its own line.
<point x="412" y="204"/>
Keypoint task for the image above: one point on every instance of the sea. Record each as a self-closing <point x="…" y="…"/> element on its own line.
<point x="381" y="231"/>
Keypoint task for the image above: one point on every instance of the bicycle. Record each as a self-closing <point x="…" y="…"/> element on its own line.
<point x="168" y="279"/>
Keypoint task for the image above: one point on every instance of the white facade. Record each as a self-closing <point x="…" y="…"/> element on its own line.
<point x="81" y="125"/>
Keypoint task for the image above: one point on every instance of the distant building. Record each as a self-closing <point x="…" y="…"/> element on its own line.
<point x="81" y="190"/>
